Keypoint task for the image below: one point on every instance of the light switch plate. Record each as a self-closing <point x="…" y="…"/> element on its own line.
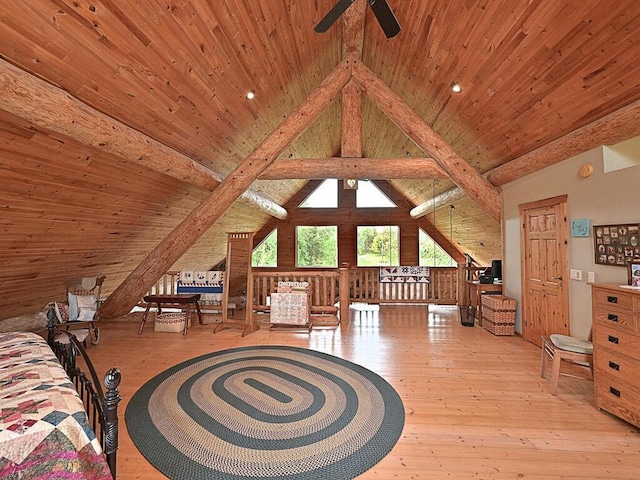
<point x="591" y="277"/>
<point x="575" y="274"/>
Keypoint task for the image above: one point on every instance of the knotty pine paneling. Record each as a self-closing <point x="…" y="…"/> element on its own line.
<point x="531" y="72"/>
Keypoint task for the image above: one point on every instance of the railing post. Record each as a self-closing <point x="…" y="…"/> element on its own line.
<point x="343" y="281"/>
<point x="111" y="401"/>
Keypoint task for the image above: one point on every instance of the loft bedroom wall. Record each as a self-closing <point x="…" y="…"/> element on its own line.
<point x="603" y="198"/>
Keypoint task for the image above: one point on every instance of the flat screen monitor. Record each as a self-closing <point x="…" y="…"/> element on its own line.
<point x="496" y="269"/>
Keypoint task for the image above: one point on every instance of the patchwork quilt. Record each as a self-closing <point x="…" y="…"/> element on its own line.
<point x="44" y="431"/>
<point x="404" y="274"/>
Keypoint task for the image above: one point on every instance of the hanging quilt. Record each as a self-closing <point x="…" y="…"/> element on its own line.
<point x="404" y="274"/>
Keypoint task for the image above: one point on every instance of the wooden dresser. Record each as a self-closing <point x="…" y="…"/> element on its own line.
<point x="616" y="344"/>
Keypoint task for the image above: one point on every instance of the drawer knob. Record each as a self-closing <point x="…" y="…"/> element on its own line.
<point x="614" y="365"/>
<point x="612" y="317"/>
<point x="612" y="299"/>
<point x="613" y="339"/>
<point x="614" y="391"/>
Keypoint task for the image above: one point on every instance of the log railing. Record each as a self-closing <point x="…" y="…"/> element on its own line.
<point x="359" y="284"/>
<point x="323" y="288"/>
<point x="364" y="286"/>
<point x="166" y="285"/>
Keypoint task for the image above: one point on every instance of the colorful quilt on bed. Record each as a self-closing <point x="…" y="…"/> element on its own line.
<point x="44" y="431"/>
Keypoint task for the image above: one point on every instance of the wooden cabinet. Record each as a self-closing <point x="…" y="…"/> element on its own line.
<point x="616" y="345"/>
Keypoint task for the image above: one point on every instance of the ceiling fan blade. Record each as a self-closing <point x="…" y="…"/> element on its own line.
<point x="333" y="15"/>
<point x="385" y="16"/>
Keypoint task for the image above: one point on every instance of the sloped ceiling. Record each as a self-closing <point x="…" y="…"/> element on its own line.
<point x="178" y="71"/>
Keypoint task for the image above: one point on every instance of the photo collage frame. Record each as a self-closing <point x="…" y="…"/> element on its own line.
<point x="616" y="245"/>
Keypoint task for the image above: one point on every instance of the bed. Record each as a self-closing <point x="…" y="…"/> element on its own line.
<point x="54" y="417"/>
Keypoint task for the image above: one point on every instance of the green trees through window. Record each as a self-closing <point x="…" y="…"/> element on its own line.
<point x="432" y="254"/>
<point x="378" y="246"/>
<point x="266" y="254"/>
<point x="317" y="246"/>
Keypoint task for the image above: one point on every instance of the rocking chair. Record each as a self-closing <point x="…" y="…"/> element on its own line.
<point x="82" y="310"/>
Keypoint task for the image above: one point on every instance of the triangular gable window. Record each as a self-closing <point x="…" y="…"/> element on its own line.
<point x="324" y="196"/>
<point x="369" y="195"/>
<point x="432" y="254"/>
<point x="266" y="254"/>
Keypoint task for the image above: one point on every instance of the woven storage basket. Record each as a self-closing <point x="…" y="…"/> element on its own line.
<point x="170" y="322"/>
<point x="499" y="314"/>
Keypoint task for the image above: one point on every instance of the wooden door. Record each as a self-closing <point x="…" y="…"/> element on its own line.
<point x="545" y="297"/>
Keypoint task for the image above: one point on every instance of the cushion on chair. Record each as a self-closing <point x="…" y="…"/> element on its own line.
<point x="80" y="334"/>
<point x="571" y="344"/>
<point x="82" y="307"/>
<point x="73" y="306"/>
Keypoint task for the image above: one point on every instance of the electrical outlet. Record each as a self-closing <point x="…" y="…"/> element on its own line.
<point x="575" y="274"/>
<point x="591" y="277"/>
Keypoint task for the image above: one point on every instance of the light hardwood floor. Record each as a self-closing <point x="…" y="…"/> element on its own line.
<point x="476" y="407"/>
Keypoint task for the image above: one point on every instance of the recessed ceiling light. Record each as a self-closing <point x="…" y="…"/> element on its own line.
<point x="251" y="94"/>
<point x="455" y="86"/>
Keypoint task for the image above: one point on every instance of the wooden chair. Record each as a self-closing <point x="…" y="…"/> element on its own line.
<point x="85" y="292"/>
<point x="569" y="349"/>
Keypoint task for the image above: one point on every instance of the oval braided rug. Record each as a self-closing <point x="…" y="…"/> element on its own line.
<point x="265" y="412"/>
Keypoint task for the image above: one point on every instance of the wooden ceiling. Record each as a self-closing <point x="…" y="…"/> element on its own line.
<point x="178" y="73"/>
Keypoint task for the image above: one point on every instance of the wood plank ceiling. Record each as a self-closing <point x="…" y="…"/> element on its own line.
<point x="178" y="72"/>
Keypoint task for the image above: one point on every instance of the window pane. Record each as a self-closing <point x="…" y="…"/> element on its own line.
<point x="317" y="246"/>
<point x="266" y="254"/>
<point x="378" y="246"/>
<point x="432" y="254"/>
<point x="325" y="196"/>
<point x="369" y="195"/>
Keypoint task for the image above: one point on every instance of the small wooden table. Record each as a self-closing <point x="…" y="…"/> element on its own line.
<point x="475" y="291"/>
<point x="172" y="300"/>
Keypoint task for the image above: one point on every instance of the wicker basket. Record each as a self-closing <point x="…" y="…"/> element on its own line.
<point x="170" y="322"/>
<point x="499" y="314"/>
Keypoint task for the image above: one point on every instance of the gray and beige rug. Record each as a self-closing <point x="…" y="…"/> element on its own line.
<point x="265" y="412"/>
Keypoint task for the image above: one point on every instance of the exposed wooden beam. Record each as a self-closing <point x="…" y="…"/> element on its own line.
<point x="616" y="127"/>
<point x="353" y="29"/>
<point x="351" y="137"/>
<point x="171" y="248"/>
<point x="369" y="168"/>
<point x="611" y="129"/>
<point x="448" y="197"/>
<point x="50" y="107"/>
<point x="414" y="127"/>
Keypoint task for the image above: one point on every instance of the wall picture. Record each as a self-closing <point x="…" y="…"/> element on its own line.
<point x="616" y="245"/>
<point x="634" y="273"/>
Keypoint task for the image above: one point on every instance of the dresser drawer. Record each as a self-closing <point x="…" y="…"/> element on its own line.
<point x="618" y="398"/>
<point x="608" y="298"/>
<point x="616" y="318"/>
<point x="617" y="341"/>
<point x="617" y="367"/>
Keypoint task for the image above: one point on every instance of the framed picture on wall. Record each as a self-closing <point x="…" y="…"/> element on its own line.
<point x="616" y="245"/>
<point x="634" y="272"/>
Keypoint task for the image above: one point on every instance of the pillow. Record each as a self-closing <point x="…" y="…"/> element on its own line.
<point x="88" y="301"/>
<point x="85" y="315"/>
<point x="73" y="307"/>
<point x="82" y="302"/>
<point x="62" y="311"/>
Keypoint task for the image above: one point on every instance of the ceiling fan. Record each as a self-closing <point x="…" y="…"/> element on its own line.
<point x="381" y="10"/>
